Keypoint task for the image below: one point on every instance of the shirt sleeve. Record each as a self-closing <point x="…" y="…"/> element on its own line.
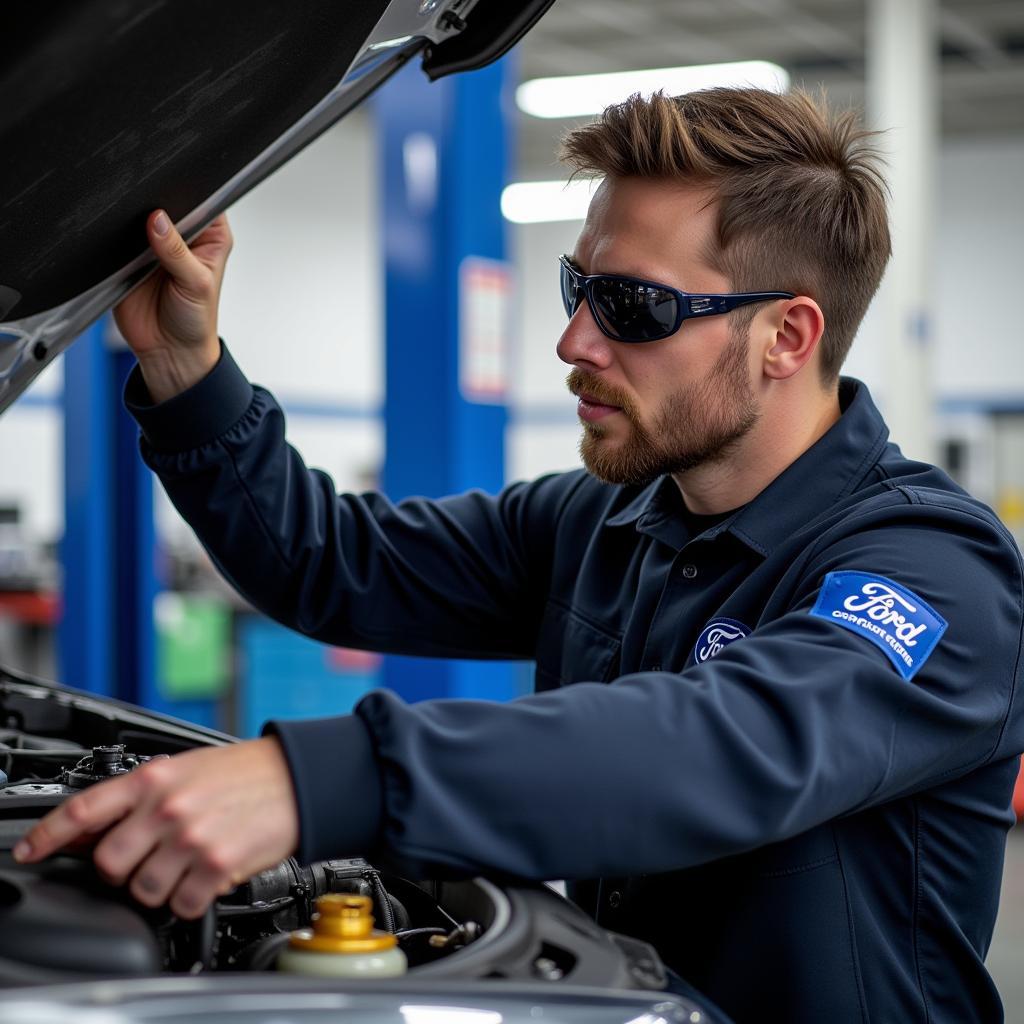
<point x="798" y="723"/>
<point x="460" y="576"/>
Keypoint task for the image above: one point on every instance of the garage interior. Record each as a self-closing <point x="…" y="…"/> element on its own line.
<point x="312" y="308"/>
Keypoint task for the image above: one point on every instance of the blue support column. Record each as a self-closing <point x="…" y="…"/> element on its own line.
<point x="85" y="648"/>
<point x="107" y="639"/>
<point x="106" y="632"/>
<point x="137" y="572"/>
<point x="134" y="562"/>
<point x="445" y="154"/>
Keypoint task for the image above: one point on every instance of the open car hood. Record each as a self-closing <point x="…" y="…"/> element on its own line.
<point x="110" y="109"/>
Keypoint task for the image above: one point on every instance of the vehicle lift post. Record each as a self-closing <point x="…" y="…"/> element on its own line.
<point x="445" y="154"/>
<point x="107" y="641"/>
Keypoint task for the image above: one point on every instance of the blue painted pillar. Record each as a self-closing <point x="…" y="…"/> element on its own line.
<point x="134" y="549"/>
<point x="136" y="564"/>
<point x="445" y="155"/>
<point x="85" y="640"/>
<point x="107" y="637"/>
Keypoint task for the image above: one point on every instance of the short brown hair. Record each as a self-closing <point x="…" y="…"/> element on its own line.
<point x="802" y="200"/>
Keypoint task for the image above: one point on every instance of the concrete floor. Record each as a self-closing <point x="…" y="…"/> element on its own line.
<point x="1006" y="957"/>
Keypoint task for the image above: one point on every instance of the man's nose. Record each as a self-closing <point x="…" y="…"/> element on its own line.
<point x="582" y="342"/>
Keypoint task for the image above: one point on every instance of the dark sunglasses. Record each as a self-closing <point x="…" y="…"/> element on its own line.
<point x="631" y="309"/>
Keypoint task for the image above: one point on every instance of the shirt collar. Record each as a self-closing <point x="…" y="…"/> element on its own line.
<point x="832" y="467"/>
<point x="644" y="501"/>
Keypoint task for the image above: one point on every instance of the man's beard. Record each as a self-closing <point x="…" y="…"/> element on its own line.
<point x="698" y="424"/>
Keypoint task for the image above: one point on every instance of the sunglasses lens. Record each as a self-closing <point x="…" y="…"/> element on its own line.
<point x="633" y="311"/>
<point x="572" y="295"/>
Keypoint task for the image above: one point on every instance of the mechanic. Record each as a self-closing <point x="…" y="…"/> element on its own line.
<point x="789" y="743"/>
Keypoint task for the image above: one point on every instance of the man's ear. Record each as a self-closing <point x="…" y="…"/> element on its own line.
<point x="798" y="326"/>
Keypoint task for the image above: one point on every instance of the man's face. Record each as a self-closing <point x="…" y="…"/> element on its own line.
<point x="663" y="406"/>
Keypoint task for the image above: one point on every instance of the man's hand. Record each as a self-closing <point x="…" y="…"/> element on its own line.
<point x="184" y="829"/>
<point x="170" y="320"/>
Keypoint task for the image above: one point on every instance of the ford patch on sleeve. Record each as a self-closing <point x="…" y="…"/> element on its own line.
<point x="888" y="615"/>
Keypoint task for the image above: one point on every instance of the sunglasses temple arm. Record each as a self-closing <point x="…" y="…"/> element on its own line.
<point x="732" y="302"/>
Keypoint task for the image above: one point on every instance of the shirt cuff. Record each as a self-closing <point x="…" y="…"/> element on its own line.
<point x="200" y="414"/>
<point x="337" y="786"/>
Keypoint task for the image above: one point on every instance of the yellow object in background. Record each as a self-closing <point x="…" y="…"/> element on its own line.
<point x="1010" y="508"/>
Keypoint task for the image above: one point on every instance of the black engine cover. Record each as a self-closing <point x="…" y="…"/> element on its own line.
<point x="59" y="918"/>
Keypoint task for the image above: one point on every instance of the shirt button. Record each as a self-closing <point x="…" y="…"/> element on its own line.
<point x="690" y="571"/>
<point x="614" y="899"/>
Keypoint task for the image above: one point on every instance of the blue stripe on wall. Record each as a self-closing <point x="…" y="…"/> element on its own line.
<point x="986" y="405"/>
<point x="326" y="409"/>
<point x="41" y="401"/>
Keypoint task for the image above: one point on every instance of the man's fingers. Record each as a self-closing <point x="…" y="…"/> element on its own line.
<point x="211" y="248"/>
<point x="90" y="811"/>
<point x="125" y="846"/>
<point x="158" y="875"/>
<point x="199" y="887"/>
<point x="187" y="828"/>
<point x="188" y="272"/>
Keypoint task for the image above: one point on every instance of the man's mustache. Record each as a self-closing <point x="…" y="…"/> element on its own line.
<point x="581" y="383"/>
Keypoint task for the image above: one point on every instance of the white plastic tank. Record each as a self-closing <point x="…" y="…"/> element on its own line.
<point x="342" y="943"/>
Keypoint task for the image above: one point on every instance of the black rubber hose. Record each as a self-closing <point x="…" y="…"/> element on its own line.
<point x="402" y="919"/>
<point x="207" y="938"/>
<point x="250" y="909"/>
<point x="383" y="901"/>
<point x="264" y="957"/>
<point x="408" y="933"/>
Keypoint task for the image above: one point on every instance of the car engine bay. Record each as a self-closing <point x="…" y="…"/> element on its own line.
<point x="60" y="921"/>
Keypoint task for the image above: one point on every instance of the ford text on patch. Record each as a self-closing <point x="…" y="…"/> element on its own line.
<point x="889" y="615"/>
<point x="718" y="633"/>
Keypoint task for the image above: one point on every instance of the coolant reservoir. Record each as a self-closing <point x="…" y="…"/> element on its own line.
<point x="343" y="943"/>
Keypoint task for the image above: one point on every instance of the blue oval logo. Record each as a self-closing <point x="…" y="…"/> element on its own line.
<point x="718" y="633"/>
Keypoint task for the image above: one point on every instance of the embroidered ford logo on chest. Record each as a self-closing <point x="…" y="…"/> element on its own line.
<point x="718" y="633"/>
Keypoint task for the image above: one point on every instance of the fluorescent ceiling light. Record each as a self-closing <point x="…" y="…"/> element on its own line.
<point x="533" y="202"/>
<point x="576" y="95"/>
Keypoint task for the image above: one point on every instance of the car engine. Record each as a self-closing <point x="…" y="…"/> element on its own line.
<point x="60" y="921"/>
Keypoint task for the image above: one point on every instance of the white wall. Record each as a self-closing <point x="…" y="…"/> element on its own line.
<point x="978" y="269"/>
<point x="302" y="313"/>
<point x="32" y="457"/>
<point x="303" y="291"/>
<point x="544" y="431"/>
<point x="979" y="282"/>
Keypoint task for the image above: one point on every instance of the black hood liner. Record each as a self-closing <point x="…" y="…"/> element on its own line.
<point x="115" y="107"/>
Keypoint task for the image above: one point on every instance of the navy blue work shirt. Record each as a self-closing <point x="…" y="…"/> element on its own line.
<point x="786" y="743"/>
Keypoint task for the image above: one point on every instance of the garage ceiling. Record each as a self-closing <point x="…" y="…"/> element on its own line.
<point x="817" y="41"/>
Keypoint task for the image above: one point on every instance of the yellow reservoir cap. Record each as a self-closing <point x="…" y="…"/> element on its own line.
<point x="342" y="924"/>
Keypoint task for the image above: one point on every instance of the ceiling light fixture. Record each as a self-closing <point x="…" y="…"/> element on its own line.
<point x="535" y="202"/>
<point x="579" y="95"/>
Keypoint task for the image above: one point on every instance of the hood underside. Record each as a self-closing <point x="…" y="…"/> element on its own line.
<point x="110" y="109"/>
